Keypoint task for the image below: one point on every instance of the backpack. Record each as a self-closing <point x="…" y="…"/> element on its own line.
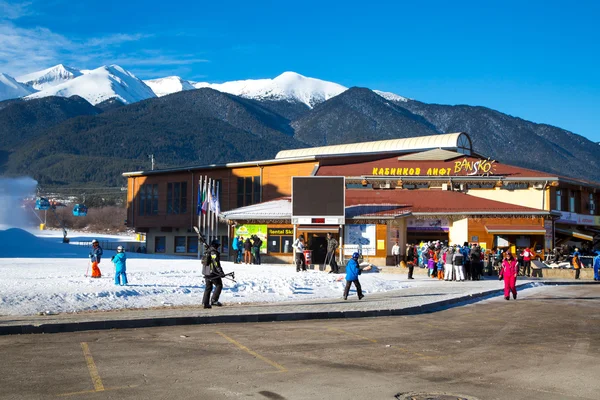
<point x="476" y="255"/>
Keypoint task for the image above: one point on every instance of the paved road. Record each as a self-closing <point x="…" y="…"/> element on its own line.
<point x="545" y="345"/>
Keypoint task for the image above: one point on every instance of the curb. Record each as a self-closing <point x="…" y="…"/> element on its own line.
<point x="63" y="327"/>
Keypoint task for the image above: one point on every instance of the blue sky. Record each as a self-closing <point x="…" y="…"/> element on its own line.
<point x="538" y="60"/>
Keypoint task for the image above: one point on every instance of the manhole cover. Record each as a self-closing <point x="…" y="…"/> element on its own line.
<point x="432" y="396"/>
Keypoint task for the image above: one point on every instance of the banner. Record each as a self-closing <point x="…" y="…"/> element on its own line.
<point x="360" y="238"/>
<point x="245" y="231"/>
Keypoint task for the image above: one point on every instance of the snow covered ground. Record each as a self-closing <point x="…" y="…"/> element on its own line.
<point x="38" y="273"/>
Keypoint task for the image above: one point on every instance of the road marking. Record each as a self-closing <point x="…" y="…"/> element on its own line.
<point x="352" y="334"/>
<point x="280" y="367"/>
<point x="98" y="386"/>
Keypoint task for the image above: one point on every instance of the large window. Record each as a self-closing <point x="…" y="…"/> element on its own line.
<point x="572" y="207"/>
<point x="192" y="244"/>
<point x="148" y="195"/>
<point x="180" y="244"/>
<point x="592" y="204"/>
<point x="279" y="240"/>
<point x="559" y="196"/>
<point x="248" y="191"/>
<point x="177" y="198"/>
<point x="160" y="244"/>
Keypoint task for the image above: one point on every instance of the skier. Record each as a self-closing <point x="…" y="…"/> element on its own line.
<point x="299" y="250"/>
<point x="332" y="245"/>
<point x="352" y="273"/>
<point x="213" y="273"/>
<point x="120" y="260"/>
<point x="95" y="256"/>
<point x="509" y="272"/>
<point x="597" y="266"/>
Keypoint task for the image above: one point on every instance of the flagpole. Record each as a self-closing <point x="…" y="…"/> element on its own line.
<point x="199" y="210"/>
<point x="211" y="207"/>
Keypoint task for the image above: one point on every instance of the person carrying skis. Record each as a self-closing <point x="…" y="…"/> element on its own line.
<point x="213" y="273"/>
<point x="95" y="256"/>
<point x="120" y="260"/>
<point x="352" y="272"/>
<point x="332" y="246"/>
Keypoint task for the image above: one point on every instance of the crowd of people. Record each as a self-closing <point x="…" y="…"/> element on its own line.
<point x="247" y="249"/>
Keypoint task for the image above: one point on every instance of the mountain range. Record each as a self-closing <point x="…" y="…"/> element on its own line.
<point x="66" y="126"/>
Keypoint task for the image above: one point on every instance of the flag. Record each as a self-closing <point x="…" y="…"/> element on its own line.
<point x="213" y="199"/>
<point x="204" y="199"/>
<point x="217" y="202"/>
<point x="199" y="202"/>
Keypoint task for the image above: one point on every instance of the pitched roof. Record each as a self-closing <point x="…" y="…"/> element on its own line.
<point x="412" y="144"/>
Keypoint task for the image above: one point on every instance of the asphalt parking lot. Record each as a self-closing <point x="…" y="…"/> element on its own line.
<point x="545" y="345"/>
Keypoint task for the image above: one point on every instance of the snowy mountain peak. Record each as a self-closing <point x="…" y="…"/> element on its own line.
<point x="100" y="84"/>
<point x="170" y="84"/>
<point x="53" y="76"/>
<point x="289" y="86"/>
<point x="11" y="89"/>
<point x="391" y="96"/>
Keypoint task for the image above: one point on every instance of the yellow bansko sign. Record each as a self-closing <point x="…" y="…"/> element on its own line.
<point x="462" y="167"/>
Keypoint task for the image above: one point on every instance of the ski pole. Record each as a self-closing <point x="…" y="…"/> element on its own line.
<point x="88" y="268"/>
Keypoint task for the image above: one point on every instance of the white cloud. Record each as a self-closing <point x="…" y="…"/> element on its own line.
<point x="15" y="9"/>
<point x="24" y="50"/>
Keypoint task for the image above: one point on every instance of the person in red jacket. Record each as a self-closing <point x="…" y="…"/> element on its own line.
<point x="527" y="255"/>
<point x="509" y="272"/>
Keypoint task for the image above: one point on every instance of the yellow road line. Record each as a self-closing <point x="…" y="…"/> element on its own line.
<point x="281" y="368"/>
<point x="98" y="386"/>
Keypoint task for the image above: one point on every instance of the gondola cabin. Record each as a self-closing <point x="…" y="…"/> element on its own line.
<point x="80" y="210"/>
<point x="42" y="204"/>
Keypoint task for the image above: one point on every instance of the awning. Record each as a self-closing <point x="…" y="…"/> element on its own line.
<point x="515" y="230"/>
<point x="575" y="234"/>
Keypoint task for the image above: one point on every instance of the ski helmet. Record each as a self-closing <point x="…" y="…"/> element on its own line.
<point x="355" y="255"/>
<point x="215" y="243"/>
<point x="94" y="241"/>
<point x="119" y="249"/>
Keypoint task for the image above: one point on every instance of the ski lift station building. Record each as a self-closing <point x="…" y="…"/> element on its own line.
<point x="406" y="190"/>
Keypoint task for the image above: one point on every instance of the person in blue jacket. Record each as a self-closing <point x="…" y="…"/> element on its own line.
<point x="120" y="261"/>
<point x="352" y="273"/>
<point x="597" y="266"/>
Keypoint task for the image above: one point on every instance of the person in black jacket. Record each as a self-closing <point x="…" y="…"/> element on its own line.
<point x="213" y="273"/>
<point x="256" y="244"/>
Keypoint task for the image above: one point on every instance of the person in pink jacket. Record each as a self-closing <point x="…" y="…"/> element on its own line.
<point x="509" y="272"/>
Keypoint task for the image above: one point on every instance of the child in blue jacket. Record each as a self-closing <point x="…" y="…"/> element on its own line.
<point x="352" y="273"/>
<point x="120" y="260"/>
